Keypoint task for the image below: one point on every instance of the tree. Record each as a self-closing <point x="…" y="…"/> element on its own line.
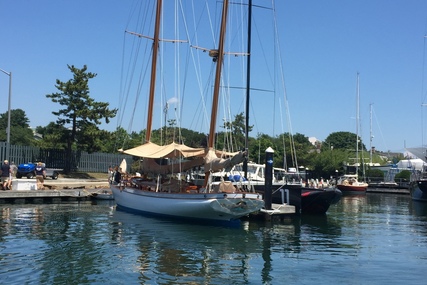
<point x="81" y="114"/>
<point x="53" y="136"/>
<point x="233" y="138"/>
<point x="20" y="131"/>
<point x="343" y="140"/>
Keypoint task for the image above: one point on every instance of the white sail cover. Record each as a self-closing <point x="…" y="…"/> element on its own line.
<point x="213" y="163"/>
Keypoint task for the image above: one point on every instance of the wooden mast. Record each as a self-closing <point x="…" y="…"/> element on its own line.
<point x="153" y="71"/>
<point x="220" y="56"/>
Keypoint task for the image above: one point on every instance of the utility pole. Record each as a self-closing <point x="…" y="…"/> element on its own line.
<point x="8" y="113"/>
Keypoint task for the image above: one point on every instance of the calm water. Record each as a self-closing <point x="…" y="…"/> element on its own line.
<point x="371" y="239"/>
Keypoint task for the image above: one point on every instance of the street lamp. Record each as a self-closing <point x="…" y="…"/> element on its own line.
<point x="8" y="113"/>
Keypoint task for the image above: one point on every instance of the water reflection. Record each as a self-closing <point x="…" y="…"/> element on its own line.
<point x="167" y="249"/>
<point x="93" y="243"/>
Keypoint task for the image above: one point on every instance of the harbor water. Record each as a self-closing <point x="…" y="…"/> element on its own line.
<point x="368" y="239"/>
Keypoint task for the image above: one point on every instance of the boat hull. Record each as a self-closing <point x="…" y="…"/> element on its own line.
<point x="418" y="189"/>
<point x="292" y="197"/>
<point x="195" y="206"/>
<point x="317" y="201"/>
<point x="305" y="199"/>
<point x="352" y="189"/>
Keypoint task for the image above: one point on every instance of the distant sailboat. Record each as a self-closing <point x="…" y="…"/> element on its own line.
<point x="349" y="183"/>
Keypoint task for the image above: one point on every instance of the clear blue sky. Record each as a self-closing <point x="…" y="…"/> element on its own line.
<point x="324" y="44"/>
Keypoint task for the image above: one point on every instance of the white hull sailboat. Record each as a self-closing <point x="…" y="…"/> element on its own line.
<point x="174" y="198"/>
<point x="200" y="206"/>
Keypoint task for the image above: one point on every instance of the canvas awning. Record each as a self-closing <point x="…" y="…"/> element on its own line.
<point x="152" y="150"/>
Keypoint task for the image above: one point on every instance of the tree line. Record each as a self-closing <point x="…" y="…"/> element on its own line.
<point x="79" y="117"/>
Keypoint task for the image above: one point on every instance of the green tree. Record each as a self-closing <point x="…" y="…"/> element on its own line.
<point x="53" y="136"/>
<point x="20" y="131"/>
<point x="375" y="174"/>
<point x="403" y="176"/>
<point x="80" y="114"/>
<point x="343" y="140"/>
<point x="233" y="138"/>
<point x="326" y="163"/>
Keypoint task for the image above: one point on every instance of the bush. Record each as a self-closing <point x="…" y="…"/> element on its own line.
<point x="403" y="176"/>
<point x="375" y="173"/>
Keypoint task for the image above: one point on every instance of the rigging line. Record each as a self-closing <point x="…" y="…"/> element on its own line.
<point x="283" y="136"/>
<point x="135" y="52"/>
<point x="379" y="128"/>
<point x="179" y="95"/>
<point x="277" y="40"/>
<point x="196" y="58"/>
<point x="126" y="86"/>
<point x="422" y="92"/>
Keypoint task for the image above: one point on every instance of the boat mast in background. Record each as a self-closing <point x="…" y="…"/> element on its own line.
<point x="248" y="88"/>
<point x="357" y="124"/>
<point x="370" y="135"/>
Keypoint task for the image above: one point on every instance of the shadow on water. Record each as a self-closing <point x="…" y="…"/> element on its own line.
<point x="418" y="208"/>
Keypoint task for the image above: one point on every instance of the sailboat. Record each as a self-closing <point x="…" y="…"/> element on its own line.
<point x="349" y="183"/>
<point x="175" y="198"/>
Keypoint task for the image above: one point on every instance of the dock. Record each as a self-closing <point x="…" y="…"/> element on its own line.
<point x="25" y="190"/>
<point x="279" y="209"/>
<point x="277" y="212"/>
<point x="386" y="190"/>
<point x="43" y="196"/>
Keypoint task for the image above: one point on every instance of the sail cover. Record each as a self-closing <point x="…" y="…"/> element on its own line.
<point x="213" y="163"/>
<point x="152" y="150"/>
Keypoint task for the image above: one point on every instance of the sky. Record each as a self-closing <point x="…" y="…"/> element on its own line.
<point x="323" y="46"/>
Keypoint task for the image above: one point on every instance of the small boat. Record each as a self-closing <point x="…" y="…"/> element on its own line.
<point x="349" y="184"/>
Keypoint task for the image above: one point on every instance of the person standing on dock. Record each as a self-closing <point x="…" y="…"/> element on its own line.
<point x="13" y="169"/>
<point x="40" y="175"/>
<point x="110" y="174"/>
<point x="5" y="174"/>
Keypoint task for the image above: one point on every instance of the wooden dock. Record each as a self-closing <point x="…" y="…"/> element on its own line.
<point x="42" y="196"/>
<point x="25" y="190"/>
